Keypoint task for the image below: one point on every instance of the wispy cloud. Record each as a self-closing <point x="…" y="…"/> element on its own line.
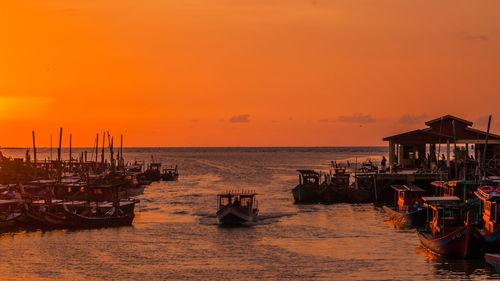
<point x="243" y="118"/>
<point x="357" y="118"/>
<point x="473" y="37"/>
<point x="323" y="120"/>
<point x="194" y="120"/>
<point x="412" y="119"/>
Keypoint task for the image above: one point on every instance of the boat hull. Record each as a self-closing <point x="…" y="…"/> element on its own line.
<point x="320" y="194"/>
<point x="166" y="177"/>
<point x="230" y="215"/>
<point x="493" y="260"/>
<point x="406" y="219"/>
<point x="76" y="220"/>
<point x="491" y="240"/>
<point x="10" y="221"/>
<point x="463" y="242"/>
<point x="59" y="219"/>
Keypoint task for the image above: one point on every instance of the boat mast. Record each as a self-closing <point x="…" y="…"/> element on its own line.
<point x="485" y="146"/>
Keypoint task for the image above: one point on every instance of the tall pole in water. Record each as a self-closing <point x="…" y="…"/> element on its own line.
<point x="96" y="148"/>
<point x="34" y="147"/>
<point x="59" y="155"/>
<point x="121" y="150"/>
<point x="485" y="146"/>
<point x="103" y="142"/>
<point x="50" y="147"/>
<point x="70" y="151"/>
<point x="59" y="149"/>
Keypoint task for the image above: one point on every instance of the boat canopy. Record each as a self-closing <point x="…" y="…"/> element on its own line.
<point x="407" y="188"/>
<point x="492" y="196"/>
<point x="8" y="202"/>
<point x="439" y="183"/>
<point x="441" y="200"/>
<point x="239" y="194"/>
<point x="308" y="172"/>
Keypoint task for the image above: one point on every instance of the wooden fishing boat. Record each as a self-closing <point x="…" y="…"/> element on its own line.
<point x="235" y="208"/>
<point x="447" y="234"/>
<point x="408" y="210"/>
<point x="333" y="189"/>
<point x="170" y="174"/>
<point x="154" y="172"/>
<point x="490" y="197"/>
<point x="114" y="217"/>
<point x="308" y="189"/>
<point x="9" y="213"/>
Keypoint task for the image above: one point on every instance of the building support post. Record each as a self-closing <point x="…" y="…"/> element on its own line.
<point x="448" y="153"/>
<point x="392" y="152"/>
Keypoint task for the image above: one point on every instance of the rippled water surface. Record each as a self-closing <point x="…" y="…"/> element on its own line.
<point x="175" y="235"/>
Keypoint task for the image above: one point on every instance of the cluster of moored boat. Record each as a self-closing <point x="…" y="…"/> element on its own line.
<point x="73" y="193"/>
<point x="334" y="187"/>
<point x="458" y="218"/>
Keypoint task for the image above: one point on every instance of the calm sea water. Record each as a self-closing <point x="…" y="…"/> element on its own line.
<point x="175" y="235"/>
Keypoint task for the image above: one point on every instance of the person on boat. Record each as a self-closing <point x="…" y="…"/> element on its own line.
<point x="237" y="202"/>
<point x="383" y="164"/>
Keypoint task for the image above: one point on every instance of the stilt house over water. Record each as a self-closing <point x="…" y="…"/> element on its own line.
<point x="411" y="148"/>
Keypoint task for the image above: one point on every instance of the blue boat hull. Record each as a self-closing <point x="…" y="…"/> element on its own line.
<point x="407" y="219"/>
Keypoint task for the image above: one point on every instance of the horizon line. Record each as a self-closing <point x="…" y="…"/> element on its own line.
<point x="116" y="147"/>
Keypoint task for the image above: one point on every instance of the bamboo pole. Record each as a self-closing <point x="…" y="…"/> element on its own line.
<point x="59" y="155"/>
<point x="34" y="147"/>
<point x="103" y="142"/>
<point x="70" y="152"/>
<point x="121" y="150"/>
<point x="59" y="149"/>
<point x="96" y="147"/>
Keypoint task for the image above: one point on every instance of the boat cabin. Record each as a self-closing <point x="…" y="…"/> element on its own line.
<point x="341" y="177"/>
<point x="155" y="166"/>
<point x="8" y="206"/>
<point x="489" y="203"/>
<point x="245" y="200"/>
<point x="408" y="197"/>
<point x="465" y="189"/>
<point x="446" y="214"/>
<point x="308" y="177"/>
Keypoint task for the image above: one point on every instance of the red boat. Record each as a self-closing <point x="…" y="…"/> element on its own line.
<point x="447" y="234"/>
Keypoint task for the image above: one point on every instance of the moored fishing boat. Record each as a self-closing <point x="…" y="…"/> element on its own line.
<point x="408" y="210"/>
<point x="447" y="234"/>
<point x="490" y="197"/>
<point x="114" y="217"/>
<point x="10" y="212"/>
<point x="308" y="188"/>
<point x="170" y="174"/>
<point x="234" y="208"/>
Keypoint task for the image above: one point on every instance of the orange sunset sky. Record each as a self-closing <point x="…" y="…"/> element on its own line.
<point x="244" y="73"/>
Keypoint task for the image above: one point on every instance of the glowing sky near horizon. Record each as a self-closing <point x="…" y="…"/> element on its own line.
<point x="244" y="73"/>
